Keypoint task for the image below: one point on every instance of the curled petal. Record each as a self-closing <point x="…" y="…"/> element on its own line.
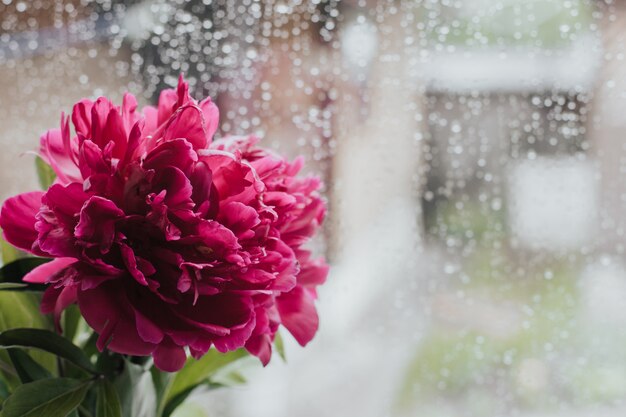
<point x="97" y="222"/>
<point x="187" y="122"/>
<point x="61" y="159"/>
<point x="17" y="220"/>
<point x="177" y="153"/>
<point x="81" y="117"/>
<point x="43" y="273"/>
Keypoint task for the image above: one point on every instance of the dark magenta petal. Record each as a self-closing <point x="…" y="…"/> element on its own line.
<point x="17" y="219"/>
<point x="218" y="312"/>
<point x="58" y="218"/>
<point x="147" y="330"/>
<point x="107" y="310"/>
<point x="237" y="337"/>
<point x="131" y="264"/>
<point x="201" y="180"/>
<point x="97" y="222"/>
<point x="92" y="160"/>
<point x="169" y="357"/>
<point x="55" y="300"/>
<point x="177" y="188"/>
<point x="177" y="153"/>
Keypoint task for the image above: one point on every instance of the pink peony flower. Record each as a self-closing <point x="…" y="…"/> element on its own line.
<point x="167" y="239"/>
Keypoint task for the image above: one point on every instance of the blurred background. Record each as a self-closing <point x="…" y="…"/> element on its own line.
<point x="474" y="154"/>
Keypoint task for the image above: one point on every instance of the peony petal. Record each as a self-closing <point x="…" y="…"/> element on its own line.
<point x="177" y="153"/>
<point x="201" y="180"/>
<point x="17" y="220"/>
<point x="147" y="330"/>
<point x="187" y="123"/>
<point x="42" y="273"/>
<point x="313" y="272"/>
<point x="92" y="160"/>
<point x="81" y="117"/>
<point x="129" y="114"/>
<point x="169" y="357"/>
<point x="135" y="145"/>
<point x="261" y="347"/>
<point x="298" y="314"/>
<point x="131" y="264"/>
<point x="53" y="150"/>
<point x="99" y="115"/>
<point x="215" y="239"/>
<point x="211" y="116"/>
<point x="97" y="222"/>
<point x="177" y="188"/>
<point x="114" y="131"/>
<point x="49" y="299"/>
<point x="57" y="219"/>
<point x="237" y="337"/>
<point x="238" y="217"/>
<point x="167" y="105"/>
<point x="108" y="311"/>
<point x="150" y="114"/>
<point x="56" y="300"/>
<point x="65" y="201"/>
<point x="66" y="298"/>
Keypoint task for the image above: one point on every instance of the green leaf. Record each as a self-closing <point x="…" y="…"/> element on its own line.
<point x="13" y="272"/>
<point x="27" y="368"/>
<point x="280" y="346"/>
<point x="21" y="310"/>
<point x="54" y="397"/>
<point x="195" y="373"/>
<point x="136" y="391"/>
<point x="110" y="364"/>
<point x="47" y="341"/>
<point x="45" y="173"/>
<point x="175" y="402"/>
<point x="4" y="391"/>
<point x="107" y="402"/>
<point x="228" y="379"/>
<point x="191" y="410"/>
<point x="12" y="286"/>
<point x="17" y="310"/>
<point x="162" y="381"/>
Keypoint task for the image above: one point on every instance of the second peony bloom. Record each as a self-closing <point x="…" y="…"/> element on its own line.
<point x="167" y="239"/>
